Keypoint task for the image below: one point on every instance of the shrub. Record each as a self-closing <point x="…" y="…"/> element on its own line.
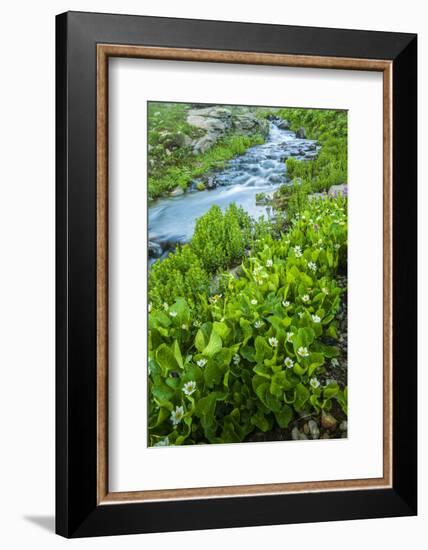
<point x="180" y="274"/>
<point x="220" y="239"/>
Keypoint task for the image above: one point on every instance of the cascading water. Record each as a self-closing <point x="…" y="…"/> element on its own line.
<point x="260" y="170"/>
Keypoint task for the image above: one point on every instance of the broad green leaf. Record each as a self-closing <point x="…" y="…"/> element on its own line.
<point x="166" y="359"/>
<point x="177" y="354"/>
<point x="284" y="415"/>
<point x="214" y="345"/>
<point x="260" y="421"/>
<point x="200" y="340"/>
<point x="221" y="329"/>
<point x="263" y="350"/>
<point x="302" y="395"/>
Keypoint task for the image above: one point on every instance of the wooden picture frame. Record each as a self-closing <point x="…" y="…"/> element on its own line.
<point x="85" y="42"/>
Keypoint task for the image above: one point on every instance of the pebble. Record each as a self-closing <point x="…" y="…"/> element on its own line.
<point x="313" y="429"/>
<point x="296" y="435"/>
<point x="343" y="426"/>
<point x="328" y="421"/>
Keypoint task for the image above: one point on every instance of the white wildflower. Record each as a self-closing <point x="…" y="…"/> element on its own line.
<point x="289" y="363"/>
<point x="269" y="263"/>
<point x="173" y="313"/>
<point x="312" y="266"/>
<point x="273" y="342"/>
<point x="314" y="382"/>
<point x="297" y="251"/>
<point x="189" y="387"/>
<point x="303" y="352"/>
<point x="258" y="323"/>
<point x="165" y="306"/>
<point x="177" y="415"/>
<point x="254" y="302"/>
<point x="184" y="326"/>
<point x="305" y="298"/>
<point x="289" y="336"/>
<point x="316" y="319"/>
<point x="285" y="303"/>
<point x="201" y="362"/>
<point x="236" y="359"/>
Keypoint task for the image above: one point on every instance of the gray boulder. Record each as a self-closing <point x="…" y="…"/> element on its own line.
<point x="173" y="140"/>
<point x="283" y="124"/>
<point x="217" y="119"/>
<point x="301" y="133"/>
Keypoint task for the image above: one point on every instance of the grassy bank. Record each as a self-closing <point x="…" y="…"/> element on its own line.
<point x="171" y="161"/>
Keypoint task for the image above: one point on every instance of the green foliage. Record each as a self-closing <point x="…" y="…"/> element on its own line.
<point x="180" y="274"/>
<point x="220" y="239"/>
<point x="253" y="357"/>
<point x="329" y="168"/>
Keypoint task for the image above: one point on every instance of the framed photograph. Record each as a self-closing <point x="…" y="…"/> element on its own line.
<point x="236" y="274"/>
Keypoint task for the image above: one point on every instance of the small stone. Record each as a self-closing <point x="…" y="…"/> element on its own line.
<point x="328" y="421"/>
<point x="301" y="133"/>
<point x="343" y="426"/>
<point x="313" y="429"/>
<point x="295" y="434"/>
<point x="200" y="186"/>
<point x="306" y="428"/>
<point x="177" y="192"/>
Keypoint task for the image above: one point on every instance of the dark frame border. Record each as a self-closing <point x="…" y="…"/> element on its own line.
<point x="77" y="511"/>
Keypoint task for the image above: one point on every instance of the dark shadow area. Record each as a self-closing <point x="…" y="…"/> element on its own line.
<point x="45" y="522"/>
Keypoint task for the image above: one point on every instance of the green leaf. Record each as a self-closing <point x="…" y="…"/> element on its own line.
<point x="270" y="401"/>
<point x="263" y="350"/>
<point x="177" y="354"/>
<point x="221" y="329"/>
<point x="200" y="340"/>
<point x="214" y="345"/>
<point x="284" y="415"/>
<point x="302" y="395"/>
<point x="315" y="361"/>
<point x="166" y="359"/>
<point x="247" y="330"/>
<point x="331" y="390"/>
<point x="213" y="374"/>
<point x="260" y="421"/>
<point x="303" y="338"/>
<point x="162" y="393"/>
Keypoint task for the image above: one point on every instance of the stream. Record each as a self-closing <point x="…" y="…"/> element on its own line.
<point x="261" y="169"/>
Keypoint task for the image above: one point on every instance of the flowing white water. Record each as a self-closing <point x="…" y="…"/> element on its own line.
<point x="260" y="170"/>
